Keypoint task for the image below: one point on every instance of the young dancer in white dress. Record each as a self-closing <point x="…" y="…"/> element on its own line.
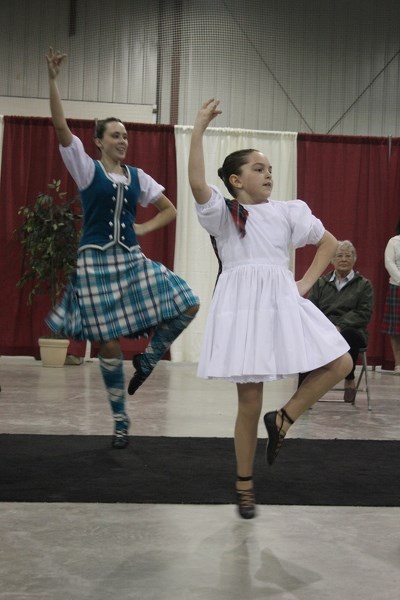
<point x="259" y="327"/>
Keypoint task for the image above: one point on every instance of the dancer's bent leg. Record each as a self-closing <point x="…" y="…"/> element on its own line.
<point x="314" y="386"/>
<point x="164" y="335"/>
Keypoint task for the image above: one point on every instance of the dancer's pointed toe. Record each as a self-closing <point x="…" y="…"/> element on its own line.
<point x="275" y="433"/>
<point x="139" y="376"/>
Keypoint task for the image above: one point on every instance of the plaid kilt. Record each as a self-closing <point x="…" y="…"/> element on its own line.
<point x="115" y="293"/>
<point x="391" y="315"/>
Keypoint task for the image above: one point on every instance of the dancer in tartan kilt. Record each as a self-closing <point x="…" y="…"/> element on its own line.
<point x="116" y="290"/>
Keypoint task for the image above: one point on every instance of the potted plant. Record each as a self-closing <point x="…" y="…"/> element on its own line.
<point x="49" y="236"/>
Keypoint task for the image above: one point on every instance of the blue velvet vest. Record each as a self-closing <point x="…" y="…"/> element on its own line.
<point x="109" y="210"/>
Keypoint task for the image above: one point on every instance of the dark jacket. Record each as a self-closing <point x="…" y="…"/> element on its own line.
<point x="352" y="306"/>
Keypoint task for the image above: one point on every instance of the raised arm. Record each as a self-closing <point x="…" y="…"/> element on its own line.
<point x="54" y="61"/>
<point x="326" y="248"/>
<point x="196" y="169"/>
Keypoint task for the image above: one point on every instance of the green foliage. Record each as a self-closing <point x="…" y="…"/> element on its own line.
<point x="49" y="236"/>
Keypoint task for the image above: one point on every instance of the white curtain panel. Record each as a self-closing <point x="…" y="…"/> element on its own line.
<point x="195" y="260"/>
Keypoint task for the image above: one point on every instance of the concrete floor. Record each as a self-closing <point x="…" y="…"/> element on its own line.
<point x="188" y="552"/>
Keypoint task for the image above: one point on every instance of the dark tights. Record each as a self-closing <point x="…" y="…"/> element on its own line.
<point x="356" y="341"/>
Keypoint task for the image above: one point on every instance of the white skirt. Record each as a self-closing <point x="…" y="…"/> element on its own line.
<point x="259" y="328"/>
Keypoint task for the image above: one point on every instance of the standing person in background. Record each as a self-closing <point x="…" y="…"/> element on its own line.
<point x="259" y="327"/>
<point x="391" y="317"/>
<point x="347" y="299"/>
<point x="117" y="291"/>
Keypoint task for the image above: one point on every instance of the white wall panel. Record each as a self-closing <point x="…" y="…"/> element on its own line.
<point x="111" y="55"/>
<point x="287" y="65"/>
<point x="310" y="59"/>
<point x="33" y="107"/>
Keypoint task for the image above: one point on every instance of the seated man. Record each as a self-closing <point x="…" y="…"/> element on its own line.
<point x="347" y="299"/>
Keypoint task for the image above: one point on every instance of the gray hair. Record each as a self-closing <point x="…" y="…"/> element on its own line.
<point x="346" y="246"/>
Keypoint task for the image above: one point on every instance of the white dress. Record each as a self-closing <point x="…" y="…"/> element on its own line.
<point x="258" y="327"/>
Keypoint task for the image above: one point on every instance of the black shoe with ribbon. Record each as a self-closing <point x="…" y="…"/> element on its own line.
<point x="120" y="438"/>
<point x="139" y="376"/>
<point x="275" y="433"/>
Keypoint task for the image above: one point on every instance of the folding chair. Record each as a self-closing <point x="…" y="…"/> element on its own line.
<point x="363" y="372"/>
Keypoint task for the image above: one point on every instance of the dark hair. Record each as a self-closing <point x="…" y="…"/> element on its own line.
<point x="101" y="125"/>
<point x="232" y="166"/>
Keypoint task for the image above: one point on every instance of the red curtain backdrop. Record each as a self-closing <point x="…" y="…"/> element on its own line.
<point x="353" y="185"/>
<point x="30" y="160"/>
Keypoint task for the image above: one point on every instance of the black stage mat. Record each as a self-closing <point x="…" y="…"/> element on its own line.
<point x="175" y="470"/>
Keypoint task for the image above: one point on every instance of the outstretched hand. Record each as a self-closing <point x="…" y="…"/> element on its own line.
<point x="208" y="112"/>
<point x="54" y="61"/>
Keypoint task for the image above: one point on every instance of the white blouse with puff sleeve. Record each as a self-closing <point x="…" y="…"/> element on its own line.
<point x="259" y="328"/>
